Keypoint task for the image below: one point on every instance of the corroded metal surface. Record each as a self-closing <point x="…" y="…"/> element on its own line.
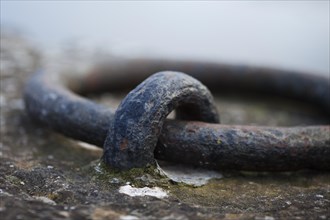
<point x="140" y="117"/>
<point x="245" y="147"/>
<point x="214" y="146"/>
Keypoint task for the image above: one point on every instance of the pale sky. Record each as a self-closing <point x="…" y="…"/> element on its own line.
<point x="283" y="34"/>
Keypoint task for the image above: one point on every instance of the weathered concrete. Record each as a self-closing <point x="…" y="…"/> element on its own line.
<point x="47" y="176"/>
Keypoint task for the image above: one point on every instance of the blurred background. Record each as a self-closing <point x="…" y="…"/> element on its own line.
<point x="44" y="175"/>
<point x="283" y="34"/>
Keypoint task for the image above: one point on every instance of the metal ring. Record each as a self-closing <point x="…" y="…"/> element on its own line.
<point x="139" y="119"/>
<point x="53" y="102"/>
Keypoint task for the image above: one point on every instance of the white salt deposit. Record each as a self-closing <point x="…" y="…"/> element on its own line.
<point x="145" y="191"/>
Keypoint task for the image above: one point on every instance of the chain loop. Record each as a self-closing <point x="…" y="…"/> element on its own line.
<point x="139" y="119"/>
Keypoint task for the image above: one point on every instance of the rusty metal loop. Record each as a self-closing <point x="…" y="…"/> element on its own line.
<point x="139" y="119"/>
<point x="52" y="100"/>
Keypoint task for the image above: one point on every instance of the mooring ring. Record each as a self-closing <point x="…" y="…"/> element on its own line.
<point x="53" y="102"/>
<point x="139" y="119"/>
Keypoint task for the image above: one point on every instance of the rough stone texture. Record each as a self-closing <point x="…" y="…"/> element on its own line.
<point x="44" y="175"/>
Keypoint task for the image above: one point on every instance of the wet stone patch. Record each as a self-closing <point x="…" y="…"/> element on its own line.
<point x="44" y="175"/>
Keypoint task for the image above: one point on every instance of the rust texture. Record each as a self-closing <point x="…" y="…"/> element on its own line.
<point x="140" y="117"/>
<point x="55" y="102"/>
<point x="245" y="147"/>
